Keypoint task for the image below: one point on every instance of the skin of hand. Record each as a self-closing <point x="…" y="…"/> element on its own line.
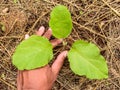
<point x="41" y="78"/>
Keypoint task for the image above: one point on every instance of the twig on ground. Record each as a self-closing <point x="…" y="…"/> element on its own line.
<point x="36" y="22"/>
<point x="13" y="87"/>
<point x="115" y="11"/>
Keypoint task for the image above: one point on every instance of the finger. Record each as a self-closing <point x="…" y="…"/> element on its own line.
<point x="40" y="31"/>
<point x="56" y="66"/>
<point x="27" y="36"/>
<point x="55" y="42"/>
<point x="19" y="80"/>
<point x="25" y="78"/>
<point x="48" y="33"/>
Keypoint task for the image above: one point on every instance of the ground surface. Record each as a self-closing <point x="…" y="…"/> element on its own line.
<point x="97" y="21"/>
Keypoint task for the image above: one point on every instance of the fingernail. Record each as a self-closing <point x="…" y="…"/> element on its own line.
<point x="50" y="29"/>
<point x="65" y="53"/>
<point x="41" y="28"/>
<point x="61" y="39"/>
<point x="26" y="36"/>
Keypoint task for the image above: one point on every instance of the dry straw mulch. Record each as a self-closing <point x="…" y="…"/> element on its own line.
<point x="97" y="21"/>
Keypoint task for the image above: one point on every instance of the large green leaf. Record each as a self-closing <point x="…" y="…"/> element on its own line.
<point x="60" y="21"/>
<point x="32" y="53"/>
<point x="85" y="59"/>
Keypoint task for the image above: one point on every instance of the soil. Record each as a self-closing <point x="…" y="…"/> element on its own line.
<point x="97" y="21"/>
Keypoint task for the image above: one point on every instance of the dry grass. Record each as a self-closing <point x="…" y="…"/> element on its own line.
<point x="97" y="21"/>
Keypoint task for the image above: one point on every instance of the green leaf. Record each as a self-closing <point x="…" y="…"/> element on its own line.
<point x="15" y="1"/>
<point x="80" y="12"/>
<point x="2" y="26"/>
<point x="32" y="53"/>
<point x="60" y="21"/>
<point x="85" y="59"/>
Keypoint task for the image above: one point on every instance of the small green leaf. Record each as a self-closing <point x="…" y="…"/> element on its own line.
<point x="60" y="22"/>
<point x="2" y="26"/>
<point x="80" y="12"/>
<point x="32" y="53"/>
<point x="15" y="1"/>
<point x="85" y="59"/>
<point x="3" y="76"/>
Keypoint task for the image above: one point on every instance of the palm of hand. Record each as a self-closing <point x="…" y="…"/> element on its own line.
<point x="41" y="78"/>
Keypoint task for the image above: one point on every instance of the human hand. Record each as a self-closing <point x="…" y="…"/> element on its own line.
<point x="44" y="77"/>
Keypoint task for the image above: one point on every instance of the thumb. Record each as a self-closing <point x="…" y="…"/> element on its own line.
<point x="56" y="66"/>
